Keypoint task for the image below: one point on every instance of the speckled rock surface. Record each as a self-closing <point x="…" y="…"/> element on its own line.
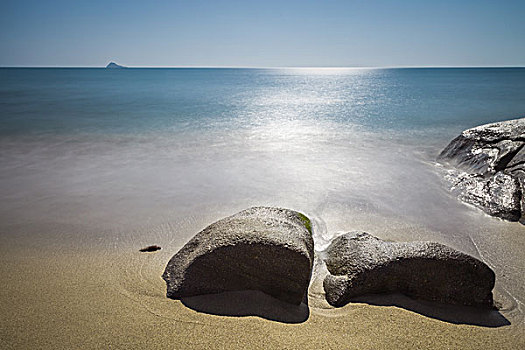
<point x="361" y="264"/>
<point x="490" y="168"/>
<point x="261" y="248"/>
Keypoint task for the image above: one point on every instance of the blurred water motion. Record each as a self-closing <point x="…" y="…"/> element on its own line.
<point x="118" y="146"/>
<point x="352" y="148"/>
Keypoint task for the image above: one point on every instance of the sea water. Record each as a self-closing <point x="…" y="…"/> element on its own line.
<point x="354" y="149"/>
<point x="104" y="142"/>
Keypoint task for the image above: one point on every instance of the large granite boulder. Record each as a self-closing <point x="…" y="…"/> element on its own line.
<point x="490" y="168"/>
<point x="265" y="249"/>
<point x="361" y="264"/>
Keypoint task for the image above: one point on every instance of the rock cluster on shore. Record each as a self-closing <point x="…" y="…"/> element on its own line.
<point x="272" y="250"/>
<point x="490" y="162"/>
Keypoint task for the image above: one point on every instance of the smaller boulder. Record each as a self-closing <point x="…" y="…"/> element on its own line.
<point x="361" y="264"/>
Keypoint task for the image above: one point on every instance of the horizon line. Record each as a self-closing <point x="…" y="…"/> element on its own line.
<point x="277" y="67"/>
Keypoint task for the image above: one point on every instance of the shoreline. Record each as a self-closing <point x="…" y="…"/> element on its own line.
<point x="95" y="169"/>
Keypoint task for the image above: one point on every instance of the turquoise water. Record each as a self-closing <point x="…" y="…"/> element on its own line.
<point x="106" y="143"/>
<point x="120" y="145"/>
<point x="40" y="101"/>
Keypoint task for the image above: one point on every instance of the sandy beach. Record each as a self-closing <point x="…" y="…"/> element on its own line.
<point x="59" y="294"/>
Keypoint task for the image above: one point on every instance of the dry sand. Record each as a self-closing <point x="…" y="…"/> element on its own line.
<point x="65" y="294"/>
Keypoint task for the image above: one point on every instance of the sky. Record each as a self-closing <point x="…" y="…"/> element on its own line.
<point x="265" y="33"/>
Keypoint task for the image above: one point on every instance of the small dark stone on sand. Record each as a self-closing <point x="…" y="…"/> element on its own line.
<point x="151" y="248"/>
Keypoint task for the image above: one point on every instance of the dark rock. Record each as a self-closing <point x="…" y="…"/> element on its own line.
<point x="151" y="248"/>
<point x="264" y="249"/>
<point x="491" y="168"/>
<point x="361" y="264"/>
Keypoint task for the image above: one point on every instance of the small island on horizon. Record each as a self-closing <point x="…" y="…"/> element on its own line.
<point x="113" y="65"/>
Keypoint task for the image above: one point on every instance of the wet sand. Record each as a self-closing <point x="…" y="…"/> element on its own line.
<point x="61" y="293"/>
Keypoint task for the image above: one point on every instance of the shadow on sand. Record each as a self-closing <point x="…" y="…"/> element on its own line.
<point x="248" y="303"/>
<point x="485" y="317"/>
<point x="256" y="303"/>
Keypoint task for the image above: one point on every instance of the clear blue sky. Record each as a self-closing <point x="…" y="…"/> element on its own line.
<point x="262" y="33"/>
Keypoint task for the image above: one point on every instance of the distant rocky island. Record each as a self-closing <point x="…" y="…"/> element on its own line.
<point x="113" y="65"/>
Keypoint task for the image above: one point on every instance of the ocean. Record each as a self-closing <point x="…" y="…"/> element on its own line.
<point x="105" y="142"/>
<point x="138" y="156"/>
<point x="44" y="101"/>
